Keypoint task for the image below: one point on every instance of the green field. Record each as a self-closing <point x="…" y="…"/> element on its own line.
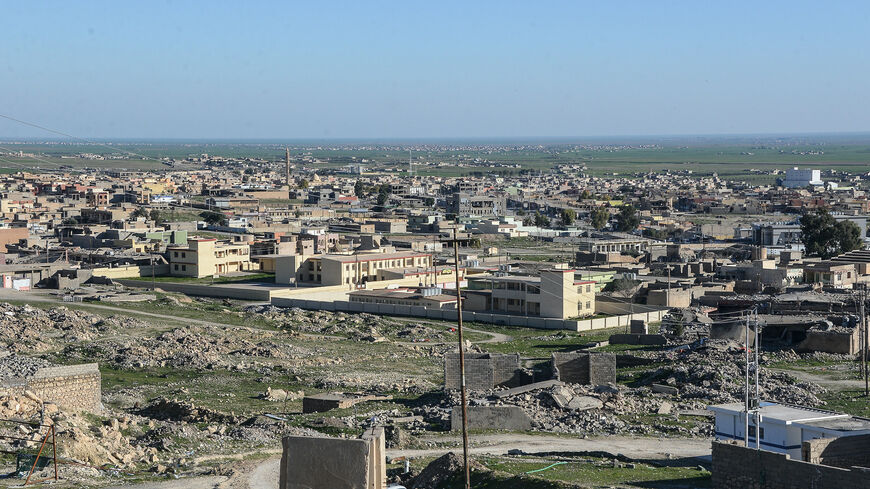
<point x="732" y="158"/>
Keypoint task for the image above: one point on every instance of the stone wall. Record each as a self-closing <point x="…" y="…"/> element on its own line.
<point x="483" y="371"/>
<point x="637" y="339"/>
<point x="845" y="452"/>
<point x="71" y="387"/>
<point x="738" y="467"/>
<point x="584" y="367"/>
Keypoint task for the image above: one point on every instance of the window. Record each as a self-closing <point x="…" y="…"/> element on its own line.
<point x="176" y="254"/>
<point x="184" y="255"/>
<point x="588" y="288"/>
<point x="752" y="432"/>
<point x="176" y="265"/>
<point x="588" y="305"/>
<point x="183" y="268"/>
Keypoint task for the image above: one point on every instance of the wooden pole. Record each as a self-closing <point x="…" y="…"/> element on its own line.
<point x="461" y="362"/>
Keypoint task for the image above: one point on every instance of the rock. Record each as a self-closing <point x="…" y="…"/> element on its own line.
<point x="665" y="408"/>
<point x="583" y="403"/>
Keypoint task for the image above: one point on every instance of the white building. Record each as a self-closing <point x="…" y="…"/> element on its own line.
<point x="796" y="178"/>
<point x="783" y="428"/>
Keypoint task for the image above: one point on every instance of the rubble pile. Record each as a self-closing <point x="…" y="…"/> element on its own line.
<point x="25" y="328"/>
<point x="195" y="347"/>
<point x="357" y="326"/>
<point x="715" y="375"/>
<point x="12" y="365"/>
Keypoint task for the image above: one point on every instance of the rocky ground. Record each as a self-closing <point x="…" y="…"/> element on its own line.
<point x="183" y="391"/>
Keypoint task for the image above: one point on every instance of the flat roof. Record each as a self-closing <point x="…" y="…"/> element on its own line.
<point x="371" y="257"/>
<point x="782" y="413"/>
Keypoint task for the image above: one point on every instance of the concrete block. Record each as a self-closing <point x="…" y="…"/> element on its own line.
<point x="584" y="403"/>
<point x="665" y="389"/>
<point x="511" y="418"/>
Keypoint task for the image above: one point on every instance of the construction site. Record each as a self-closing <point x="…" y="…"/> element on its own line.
<point x="176" y="391"/>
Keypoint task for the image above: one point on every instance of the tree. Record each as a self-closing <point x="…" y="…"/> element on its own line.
<point x="586" y="195"/>
<point x="383" y="194"/>
<point x="359" y="189"/>
<point x="568" y="216"/>
<point x="474" y="243"/>
<point x="154" y="215"/>
<point x="429" y="201"/>
<point x="213" y="218"/>
<point x="139" y="212"/>
<point x="600" y="217"/>
<point x="303" y="184"/>
<point x="627" y="220"/>
<point x="824" y="236"/>
<point x="541" y="220"/>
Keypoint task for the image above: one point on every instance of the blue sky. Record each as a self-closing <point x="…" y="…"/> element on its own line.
<point x="407" y="69"/>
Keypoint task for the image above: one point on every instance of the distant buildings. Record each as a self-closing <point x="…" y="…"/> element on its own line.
<point x="796" y="178"/>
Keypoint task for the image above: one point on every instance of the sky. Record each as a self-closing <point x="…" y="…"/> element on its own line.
<point x="432" y="69"/>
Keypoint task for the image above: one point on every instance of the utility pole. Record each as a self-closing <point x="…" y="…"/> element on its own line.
<point x="153" y="280"/>
<point x="668" y="297"/>
<point x="746" y="391"/>
<point x="461" y="362"/>
<point x="864" y="342"/>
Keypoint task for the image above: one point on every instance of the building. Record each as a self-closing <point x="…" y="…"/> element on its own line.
<point x="346" y="269"/>
<point x="204" y="257"/>
<point x="796" y="178"/>
<point x="428" y="297"/>
<point x="617" y="245"/>
<point x="463" y="204"/>
<point x="553" y="294"/>
<point x="783" y="427"/>
<point x="779" y="234"/>
<point x="832" y="274"/>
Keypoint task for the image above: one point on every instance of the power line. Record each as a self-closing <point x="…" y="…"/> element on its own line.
<point x="114" y="148"/>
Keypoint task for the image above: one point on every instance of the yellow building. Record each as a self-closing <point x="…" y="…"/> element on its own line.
<point x="346" y="269"/>
<point x="203" y="257"/>
<point x="554" y="294"/>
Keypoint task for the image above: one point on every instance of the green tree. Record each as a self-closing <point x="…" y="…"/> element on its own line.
<point x="586" y="195"/>
<point x="303" y="184"/>
<point x="383" y="194"/>
<point x="359" y="189"/>
<point x="568" y="216"/>
<point x="474" y="243"/>
<point x="154" y="215"/>
<point x="213" y="218"/>
<point x="139" y="212"/>
<point x="824" y="236"/>
<point x="541" y="220"/>
<point x="599" y="218"/>
<point x="627" y="220"/>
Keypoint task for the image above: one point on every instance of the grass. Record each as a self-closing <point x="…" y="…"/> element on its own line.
<point x="509" y="472"/>
<point x="850" y="401"/>
<point x="210" y="311"/>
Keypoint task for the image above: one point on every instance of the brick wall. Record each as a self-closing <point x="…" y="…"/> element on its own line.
<point x="846" y="451"/>
<point x="737" y="467"/>
<point x="584" y="368"/>
<point x="478" y="371"/>
<point x="72" y="387"/>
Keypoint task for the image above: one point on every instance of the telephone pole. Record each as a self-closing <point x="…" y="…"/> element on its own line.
<point x="864" y="341"/>
<point x="455" y="242"/>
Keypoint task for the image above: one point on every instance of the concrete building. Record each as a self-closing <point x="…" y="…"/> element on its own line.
<point x="597" y="245"/>
<point x="554" y="294"/>
<point x="346" y="269"/>
<point x="796" y="178"/>
<point x="463" y="204"/>
<point x="831" y="274"/>
<point x="783" y="427"/>
<point x="203" y="257"/>
<point x="428" y="297"/>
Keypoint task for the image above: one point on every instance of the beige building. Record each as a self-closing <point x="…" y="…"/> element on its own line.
<point x="553" y="294"/>
<point x="204" y="257"/>
<point x="346" y="269"/>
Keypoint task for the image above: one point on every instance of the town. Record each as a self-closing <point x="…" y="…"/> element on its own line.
<point x="211" y="305"/>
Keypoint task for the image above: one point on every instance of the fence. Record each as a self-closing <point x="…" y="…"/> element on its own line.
<point x="481" y="317"/>
<point x="49" y="432"/>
